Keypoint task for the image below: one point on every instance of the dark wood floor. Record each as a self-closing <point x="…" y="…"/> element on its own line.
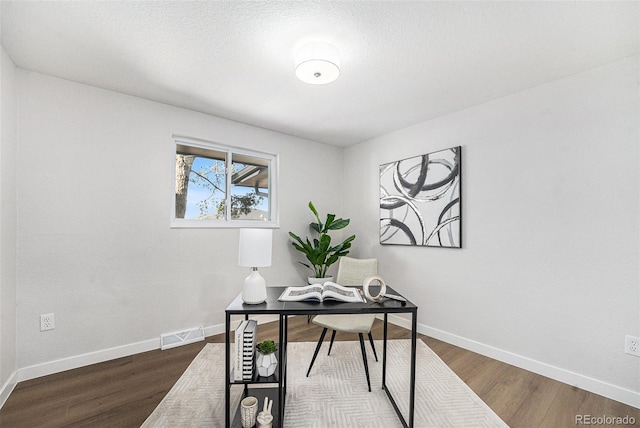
<point x="123" y="393"/>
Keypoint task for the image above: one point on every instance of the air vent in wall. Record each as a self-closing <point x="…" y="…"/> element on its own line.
<point x="171" y="340"/>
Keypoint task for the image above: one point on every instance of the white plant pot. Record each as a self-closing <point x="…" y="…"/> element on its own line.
<point x="314" y="280"/>
<point x="266" y="364"/>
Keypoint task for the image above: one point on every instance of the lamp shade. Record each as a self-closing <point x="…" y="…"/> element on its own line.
<point x="254" y="249"/>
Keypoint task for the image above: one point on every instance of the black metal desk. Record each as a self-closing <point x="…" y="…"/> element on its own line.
<point x="284" y="309"/>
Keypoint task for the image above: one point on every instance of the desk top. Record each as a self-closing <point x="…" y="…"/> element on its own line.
<point x="273" y="306"/>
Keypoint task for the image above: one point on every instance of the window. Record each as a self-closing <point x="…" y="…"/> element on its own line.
<point x="217" y="186"/>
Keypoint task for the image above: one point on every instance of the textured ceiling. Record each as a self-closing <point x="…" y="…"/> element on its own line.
<point x="401" y="62"/>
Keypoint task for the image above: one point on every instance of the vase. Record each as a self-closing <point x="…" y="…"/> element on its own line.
<point x="249" y="411"/>
<point x="266" y="364"/>
<point x="314" y="280"/>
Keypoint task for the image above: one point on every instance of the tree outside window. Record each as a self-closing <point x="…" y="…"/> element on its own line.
<point x="203" y="175"/>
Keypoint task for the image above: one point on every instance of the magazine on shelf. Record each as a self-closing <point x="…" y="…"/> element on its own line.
<point x="321" y="292"/>
<point x="245" y="340"/>
<point x="249" y="341"/>
<point x="239" y="342"/>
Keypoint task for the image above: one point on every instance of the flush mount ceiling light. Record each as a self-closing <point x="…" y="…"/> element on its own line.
<point x="317" y="63"/>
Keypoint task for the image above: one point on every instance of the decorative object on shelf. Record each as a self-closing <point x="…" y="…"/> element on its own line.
<point x="265" y="418"/>
<point x="266" y="361"/>
<point x="421" y="200"/>
<point x="249" y="411"/>
<point x="317" y="63"/>
<point x="320" y="253"/>
<point x="254" y="251"/>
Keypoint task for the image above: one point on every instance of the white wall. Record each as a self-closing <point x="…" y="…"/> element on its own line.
<point x="548" y="277"/>
<point x="94" y="198"/>
<point x="8" y="144"/>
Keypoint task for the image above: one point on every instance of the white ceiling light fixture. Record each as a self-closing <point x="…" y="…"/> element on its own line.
<point x="317" y="63"/>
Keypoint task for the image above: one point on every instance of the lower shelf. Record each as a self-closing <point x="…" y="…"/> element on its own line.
<point x="260" y="394"/>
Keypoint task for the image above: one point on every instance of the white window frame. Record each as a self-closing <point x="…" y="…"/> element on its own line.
<point x="273" y="222"/>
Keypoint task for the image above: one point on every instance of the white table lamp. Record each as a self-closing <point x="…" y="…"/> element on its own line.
<point x="254" y="251"/>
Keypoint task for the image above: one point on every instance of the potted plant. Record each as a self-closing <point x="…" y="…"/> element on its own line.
<point x="319" y="252"/>
<point x="266" y="361"/>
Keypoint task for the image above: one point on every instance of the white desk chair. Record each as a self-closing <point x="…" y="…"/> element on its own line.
<point x="351" y="272"/>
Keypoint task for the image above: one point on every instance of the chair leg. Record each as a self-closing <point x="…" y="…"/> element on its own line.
<point x="315" y="354"/>
<point x="333" y="336"/>
<point x="364" y="358"/>
<point x="373" y="346"/>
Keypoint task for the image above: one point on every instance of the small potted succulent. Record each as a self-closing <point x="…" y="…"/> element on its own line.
<point x="266" y="362"/>
<point x="320" y="253"/>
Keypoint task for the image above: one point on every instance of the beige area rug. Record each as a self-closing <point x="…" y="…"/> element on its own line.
<point x="335" y="394"/>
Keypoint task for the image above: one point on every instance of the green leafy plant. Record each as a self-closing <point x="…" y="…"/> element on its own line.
<point x="319" y="252"/>
<point x="267" y="347"/>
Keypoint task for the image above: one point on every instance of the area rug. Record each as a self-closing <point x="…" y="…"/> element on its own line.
<point x="335" y="394"/>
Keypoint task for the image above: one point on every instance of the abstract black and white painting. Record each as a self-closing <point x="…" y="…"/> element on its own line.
<point x="420" y="200"/>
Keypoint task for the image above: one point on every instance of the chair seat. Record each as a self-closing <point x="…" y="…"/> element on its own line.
<point x="349" y="323"/>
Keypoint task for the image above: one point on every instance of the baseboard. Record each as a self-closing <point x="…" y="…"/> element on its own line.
<point x="63" y="364"/>
<point x="626" y="396"/>
<point x="8" y="387"/>
<point x="77" y="361"/>
<point x="617" y="393"/>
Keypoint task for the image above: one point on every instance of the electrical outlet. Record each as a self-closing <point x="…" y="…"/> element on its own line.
<point x="632" y="345"/>
<point x="47" y="322"/>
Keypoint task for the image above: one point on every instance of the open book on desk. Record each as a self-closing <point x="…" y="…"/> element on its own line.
<point x="321" y="292"/>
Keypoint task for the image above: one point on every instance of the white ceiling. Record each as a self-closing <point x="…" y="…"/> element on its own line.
<point x="401" y="62"/>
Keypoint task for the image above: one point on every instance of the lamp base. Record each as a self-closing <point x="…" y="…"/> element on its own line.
<point x="255" y="288"/>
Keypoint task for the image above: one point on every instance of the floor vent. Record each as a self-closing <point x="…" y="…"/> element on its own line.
<point x="171" y="340"/>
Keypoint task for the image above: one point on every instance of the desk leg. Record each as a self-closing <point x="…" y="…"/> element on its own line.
<point x="384" y="353"/>
<point x="227" y="373"/>
<point x="412" y="391"/>
<point x="282" y="367"/>
<point x="281" y="350"/>
<point x="412" y="381"/>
